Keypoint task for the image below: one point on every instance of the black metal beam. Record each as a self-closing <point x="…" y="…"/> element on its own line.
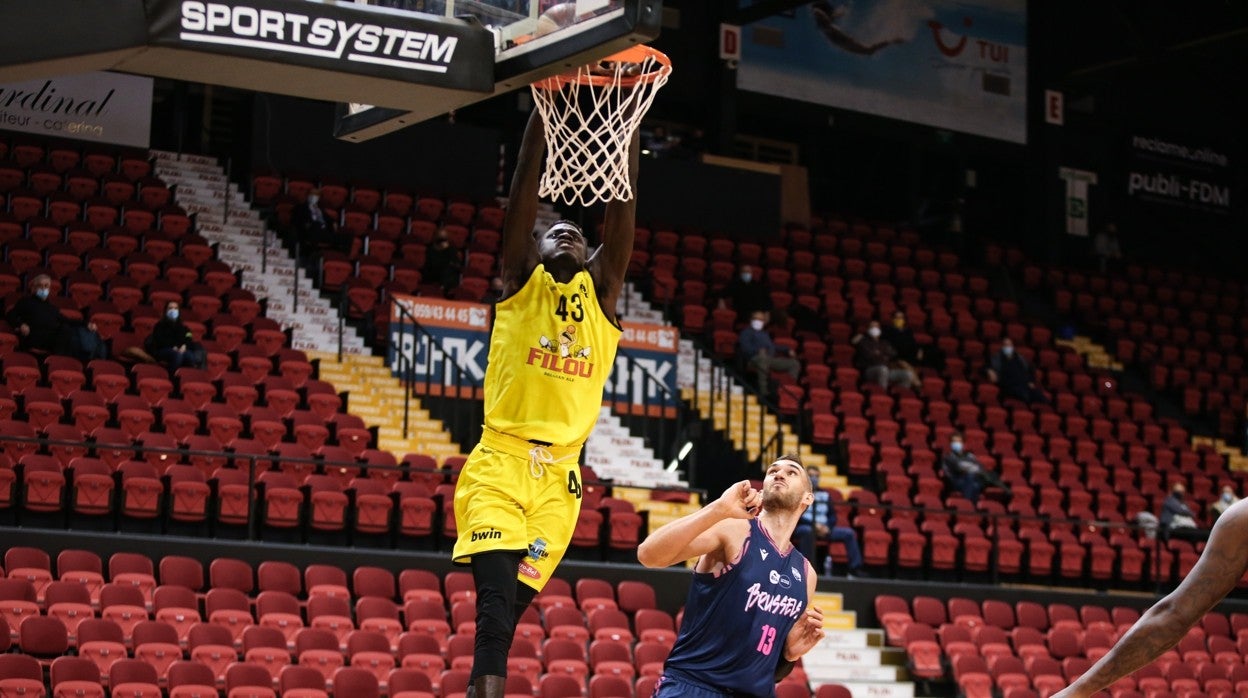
<point x="762" y="10"/>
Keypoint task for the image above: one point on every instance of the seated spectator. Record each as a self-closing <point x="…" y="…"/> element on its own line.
<point x="747" y="294"/>
<point x="443" y="262"/>
<point x="759" y="352"/>
<point x="313" y="225"/>
<point x="42" y="329"/>
<point x="818" y="523"/>
<point x="1224" y="500"/>
<point x="1177" y="519"/>
<point x="908" y="347"/>
<point x="1106" y="248"/>
<point x="877" y="360"/>
<point x="966" y="473"/>
<point x="1011" y="372"/>
<point x="172" y="344"/>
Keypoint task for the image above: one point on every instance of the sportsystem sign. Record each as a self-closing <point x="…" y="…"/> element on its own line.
<point x="404" y="46"/>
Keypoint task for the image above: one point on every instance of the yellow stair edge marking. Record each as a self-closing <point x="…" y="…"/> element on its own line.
<point x="829" y="602"/>
<point x="840" y="620"/>
<point x="719" y="419"/>
<point x="373" y="392"/>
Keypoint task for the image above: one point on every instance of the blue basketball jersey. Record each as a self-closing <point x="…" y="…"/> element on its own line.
<point x="735" y="624"/>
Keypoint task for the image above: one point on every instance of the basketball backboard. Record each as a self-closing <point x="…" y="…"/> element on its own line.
<point x="533" y="39"/>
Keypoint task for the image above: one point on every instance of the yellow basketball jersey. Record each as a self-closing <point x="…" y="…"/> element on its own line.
<point x="550" y="354"/>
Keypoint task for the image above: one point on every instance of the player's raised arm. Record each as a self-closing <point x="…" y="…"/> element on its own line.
<point x="519" y="254"/>
<point x="1161" y="627"/>
<point x="609" y="264"/>
<point x="698" y="533"/>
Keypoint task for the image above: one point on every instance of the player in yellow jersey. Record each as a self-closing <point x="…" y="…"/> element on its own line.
<point x="553" y="345"/>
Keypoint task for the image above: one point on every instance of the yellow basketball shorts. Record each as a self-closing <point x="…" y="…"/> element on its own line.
<point x="513" y="495"/>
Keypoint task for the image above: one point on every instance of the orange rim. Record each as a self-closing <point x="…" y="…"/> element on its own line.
<point x="633" y="54"/>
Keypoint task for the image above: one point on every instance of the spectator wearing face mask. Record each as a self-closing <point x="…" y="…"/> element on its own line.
<point x="964" y="471"/>
<point x="878" y="362"/>
<point x="171" y="342"/>
<point x="35" y="319"/>
<point x="1014" y="375"/>
<point x="747" y="294"/>
<point x="42" y="329"/>
<point x="1224" y="500"/>
<point x="909" y="349"/>
<point x="756" y="348"/>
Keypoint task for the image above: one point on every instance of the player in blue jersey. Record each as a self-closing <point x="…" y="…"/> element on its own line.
<point x="748" y="616"/>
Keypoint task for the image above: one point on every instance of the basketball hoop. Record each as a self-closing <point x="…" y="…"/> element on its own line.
<point x="589" y="117"/>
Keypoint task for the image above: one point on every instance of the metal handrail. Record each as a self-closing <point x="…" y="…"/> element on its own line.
<point x="467" y="420"/>
<point x="722" y="381"/>
<point x="665" y="443"/>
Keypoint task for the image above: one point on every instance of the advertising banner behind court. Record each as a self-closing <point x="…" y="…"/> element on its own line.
<point x="402" y="46"/>
<point x="1191" y="175"/>
<point x="954" y="64"/>
<point x="99" y="107"/>
<point x="644" y="379"/>
<point x="457" y="333"/>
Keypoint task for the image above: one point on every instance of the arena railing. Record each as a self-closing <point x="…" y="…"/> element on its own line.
<point x="718" y="390"/>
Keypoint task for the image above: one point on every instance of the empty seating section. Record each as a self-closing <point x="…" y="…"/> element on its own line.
<point x="843" y="274"/>
<point x="838" y="275"/>
<point x="184" y="625"/>
<point x="995" y="647"/>
<point x="1184" y="331"/>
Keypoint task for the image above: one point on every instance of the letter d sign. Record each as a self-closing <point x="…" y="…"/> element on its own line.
<point x="729" y="42"/>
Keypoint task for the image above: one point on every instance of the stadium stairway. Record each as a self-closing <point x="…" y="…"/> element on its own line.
<point x="616" y="454"/>
<point x="224" y="218"/>
<point x="694" y="368"/>
<point x="854" y="657"/>
<point x="377" y="398"/>
<point x="239" y="233"/>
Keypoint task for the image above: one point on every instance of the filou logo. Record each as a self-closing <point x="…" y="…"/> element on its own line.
<point x="489" y="534"/>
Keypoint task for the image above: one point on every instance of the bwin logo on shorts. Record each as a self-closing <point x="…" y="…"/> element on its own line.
<point x="491" y="534"/>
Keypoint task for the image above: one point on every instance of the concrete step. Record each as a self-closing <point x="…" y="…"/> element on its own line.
<point x="858" y="637"/>
<point x="234" y="232"/>
<point x="189" y="158"/>
<point x="306" y="344"/>
<point x="370" y="360"/>
<point x="846" y="673"/>
<point x="828" y="602"/>
<point x="856" y="656"/>
<point x="878" y="689"/>
<point x="207" y="177"/>
<point x="840" y="620"/>
<point x="608" y="460"/>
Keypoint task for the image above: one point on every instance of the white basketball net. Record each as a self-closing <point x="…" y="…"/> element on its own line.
<point x="589" y="127"/>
